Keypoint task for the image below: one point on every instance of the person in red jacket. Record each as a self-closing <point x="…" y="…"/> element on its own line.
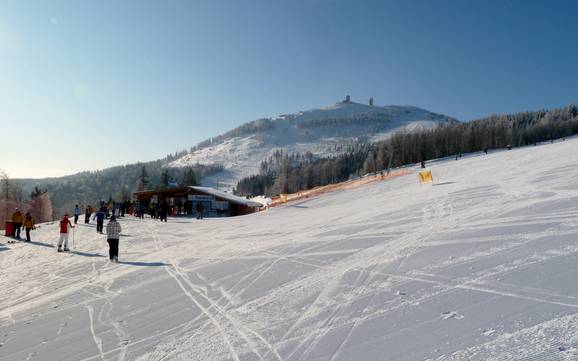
<point x="64" y="224"/>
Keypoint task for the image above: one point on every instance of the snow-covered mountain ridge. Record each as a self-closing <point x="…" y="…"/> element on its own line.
<point x="320" y="131"/>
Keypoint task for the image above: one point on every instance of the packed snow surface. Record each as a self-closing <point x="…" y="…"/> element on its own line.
<point x="480" y="266"/>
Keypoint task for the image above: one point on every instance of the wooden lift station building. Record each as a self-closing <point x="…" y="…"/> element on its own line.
<point x="184" y="201"/>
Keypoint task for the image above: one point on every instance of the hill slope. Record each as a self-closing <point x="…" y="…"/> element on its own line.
<point x="321" y="131"/>
<point x="481" y="266"/>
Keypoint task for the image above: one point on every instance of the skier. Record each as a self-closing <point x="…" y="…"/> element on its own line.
<point x="113" y="230"/>
<point x="76" y="214"/>
<point x="116" y="211"/>
<point x="200" y="210"/>
<point x="28" y="225"/>
<point x="17" y="223"/>
<point x="141" y="210"/>
<point x="63" y="241"/>
<point x="164" y="210"/>
<point x="155" y="211"/>
<point x="100" y="216"/>
<point x="87" y="213"/>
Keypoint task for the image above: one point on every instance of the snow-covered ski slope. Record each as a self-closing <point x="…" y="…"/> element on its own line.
<point x="319" y="131"/>
<point x="481" y="266"/>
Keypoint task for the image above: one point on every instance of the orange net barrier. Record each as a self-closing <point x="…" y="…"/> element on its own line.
<point x="317" y="191"/>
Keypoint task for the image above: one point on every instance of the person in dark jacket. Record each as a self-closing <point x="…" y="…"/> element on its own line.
<point x="164" y="211"/>
<point x="100" y="216"/>
<point x="200" y="210"/>
<point x="141" y="210"/>
<point x="87" y="213"/>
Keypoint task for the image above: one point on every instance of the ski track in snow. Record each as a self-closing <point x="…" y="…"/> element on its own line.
<point x="237" y="327"/>
<point x="481" y="266"/>
<point x="97" y="340"/>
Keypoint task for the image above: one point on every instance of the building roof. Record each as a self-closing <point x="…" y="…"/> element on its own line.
<point x="205" y="190"/>
<point x="162" y="191"/>
<point x="228" y="196"/>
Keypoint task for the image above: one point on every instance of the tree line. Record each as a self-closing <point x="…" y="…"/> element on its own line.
<point x="289" y="173"/>
<point x="12" y="196"/>
<point x="116" y="183"/>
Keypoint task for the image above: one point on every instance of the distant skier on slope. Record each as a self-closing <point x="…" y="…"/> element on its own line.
<point x="200" y="210"/>
<point x="100" y="216"/>
<point x="164" y="211"/>
<point x="87" y="213"/>
<point x="28" y="225"/>
<point x="16" y="223"/>
<point x="141" y="210"/>
<point x="113" y="230"/>
<point x="76" y="214"/>
<point x="116" y="210"/>
<point x="63" y="241"/>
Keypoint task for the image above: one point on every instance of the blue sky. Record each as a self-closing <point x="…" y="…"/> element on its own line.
<point x="90" y="84"/>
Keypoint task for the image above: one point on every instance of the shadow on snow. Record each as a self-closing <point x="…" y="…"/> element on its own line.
<point x="443" y="184"/>
<point x="144" y="264"/>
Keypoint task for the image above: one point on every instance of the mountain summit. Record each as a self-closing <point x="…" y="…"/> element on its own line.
<point x="321" y="131"/>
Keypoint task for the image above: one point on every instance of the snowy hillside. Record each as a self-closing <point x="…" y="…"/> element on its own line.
<point x="320" y="131"/>
<point x="481" y="266"/>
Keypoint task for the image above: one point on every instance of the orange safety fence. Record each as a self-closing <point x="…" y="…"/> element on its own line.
<point x="354" y="183"/>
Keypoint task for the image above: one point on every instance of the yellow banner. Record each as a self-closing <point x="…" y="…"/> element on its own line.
<point x="425" y="177"/>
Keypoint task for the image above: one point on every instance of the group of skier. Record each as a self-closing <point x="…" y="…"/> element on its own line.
<point x="20" y="221"/>
<point x="111" y="211"/>
<point x="158" y="211"/>
<point x="113" y="228"/>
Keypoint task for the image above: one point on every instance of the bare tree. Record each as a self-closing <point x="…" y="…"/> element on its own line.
<point x="4" y="191"/>
<point x="4" y="185"/>
<point x="11" y="196"/>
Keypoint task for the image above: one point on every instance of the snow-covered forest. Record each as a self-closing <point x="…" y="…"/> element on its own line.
<point x="289" y="173"/>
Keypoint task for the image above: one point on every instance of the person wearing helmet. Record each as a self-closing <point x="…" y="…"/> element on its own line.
<point x="63" y="241"/>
